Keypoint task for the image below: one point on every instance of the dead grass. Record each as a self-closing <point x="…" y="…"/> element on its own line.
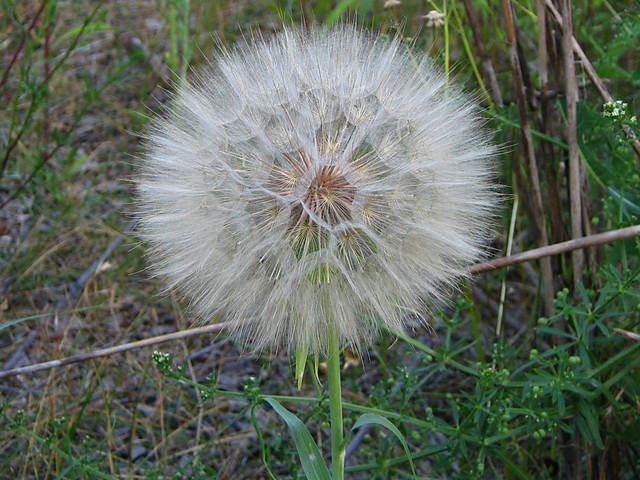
<point x="121" y="409"/>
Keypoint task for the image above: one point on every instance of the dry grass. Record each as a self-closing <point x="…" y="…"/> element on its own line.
<point x="62" y="223"/>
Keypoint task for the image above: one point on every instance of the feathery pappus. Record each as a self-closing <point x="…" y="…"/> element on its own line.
<point x="316" y="178"/>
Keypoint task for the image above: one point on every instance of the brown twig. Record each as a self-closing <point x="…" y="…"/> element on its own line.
<point x="575" y="175"/>
<point x="599" y="239"/>
<point x="529" y="153"/>
<point x="627" y="334"/>
<point x="593" y="75"/>
<point x="557" y="248"/>
<point x="103" y="352"/>
<point x="543" y="69"/>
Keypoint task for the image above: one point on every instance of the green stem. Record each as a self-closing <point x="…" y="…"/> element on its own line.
<point x="335" y="405"/>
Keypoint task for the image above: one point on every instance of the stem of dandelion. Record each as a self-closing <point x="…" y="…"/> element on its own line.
<point x="335" y="405"/>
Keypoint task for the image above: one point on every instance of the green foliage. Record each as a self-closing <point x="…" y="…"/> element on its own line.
<point x="504" y="413"/>
<point x="310" y="456"/>
<point x="181" y="47"/>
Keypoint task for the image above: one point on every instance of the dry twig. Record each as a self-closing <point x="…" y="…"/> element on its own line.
<point x="104" y="352"/>
<point x="556" y="249"/>
<point x="599" y="239"/>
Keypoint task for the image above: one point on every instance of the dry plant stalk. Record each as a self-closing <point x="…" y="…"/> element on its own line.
<point x="558" y="248"/>
<point x="555" y="210"/>
<point x="575" y="170"/>
<point x="529" y="153"/>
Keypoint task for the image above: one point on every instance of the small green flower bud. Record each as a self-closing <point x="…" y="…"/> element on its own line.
<point x="575" y="360"/>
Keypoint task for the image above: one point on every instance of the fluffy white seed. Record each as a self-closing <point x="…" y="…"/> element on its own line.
<point x="312" y="178"/>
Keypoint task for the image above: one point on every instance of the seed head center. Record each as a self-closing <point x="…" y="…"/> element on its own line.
<point x="330" y="195"/>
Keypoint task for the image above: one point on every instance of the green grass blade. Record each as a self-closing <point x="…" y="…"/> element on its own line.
<point x="375" y="419"/>
<point x="310" y="456"/>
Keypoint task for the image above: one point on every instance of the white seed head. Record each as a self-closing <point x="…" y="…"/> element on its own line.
<point x="316" y="178"/>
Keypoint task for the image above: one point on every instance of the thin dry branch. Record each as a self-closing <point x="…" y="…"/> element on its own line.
<point x="104" y="352"/>
<point x="627" y="334"/>
<point x="558" y="248"/>
<point x="599" y="239"/>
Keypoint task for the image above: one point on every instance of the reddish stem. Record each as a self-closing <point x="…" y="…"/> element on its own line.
<point x="5" y="76"/>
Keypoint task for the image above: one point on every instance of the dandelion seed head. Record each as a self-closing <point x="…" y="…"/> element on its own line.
<point x="316" y="178"/>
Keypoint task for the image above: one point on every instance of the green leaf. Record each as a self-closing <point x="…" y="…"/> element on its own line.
<point x="513" y="466"/>
<point x="588" y="422"/>
<point x="16" y="321"/>
<point x="301" y="362"/>
<point x="91" y="28"/>
<point x="375" y="419"/>
<point x="338" y="11"/>
<point x="310" y="456"/>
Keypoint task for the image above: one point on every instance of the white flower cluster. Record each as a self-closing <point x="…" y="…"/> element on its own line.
<point x="312" y="179"/>
<point x="614" y="109"/>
